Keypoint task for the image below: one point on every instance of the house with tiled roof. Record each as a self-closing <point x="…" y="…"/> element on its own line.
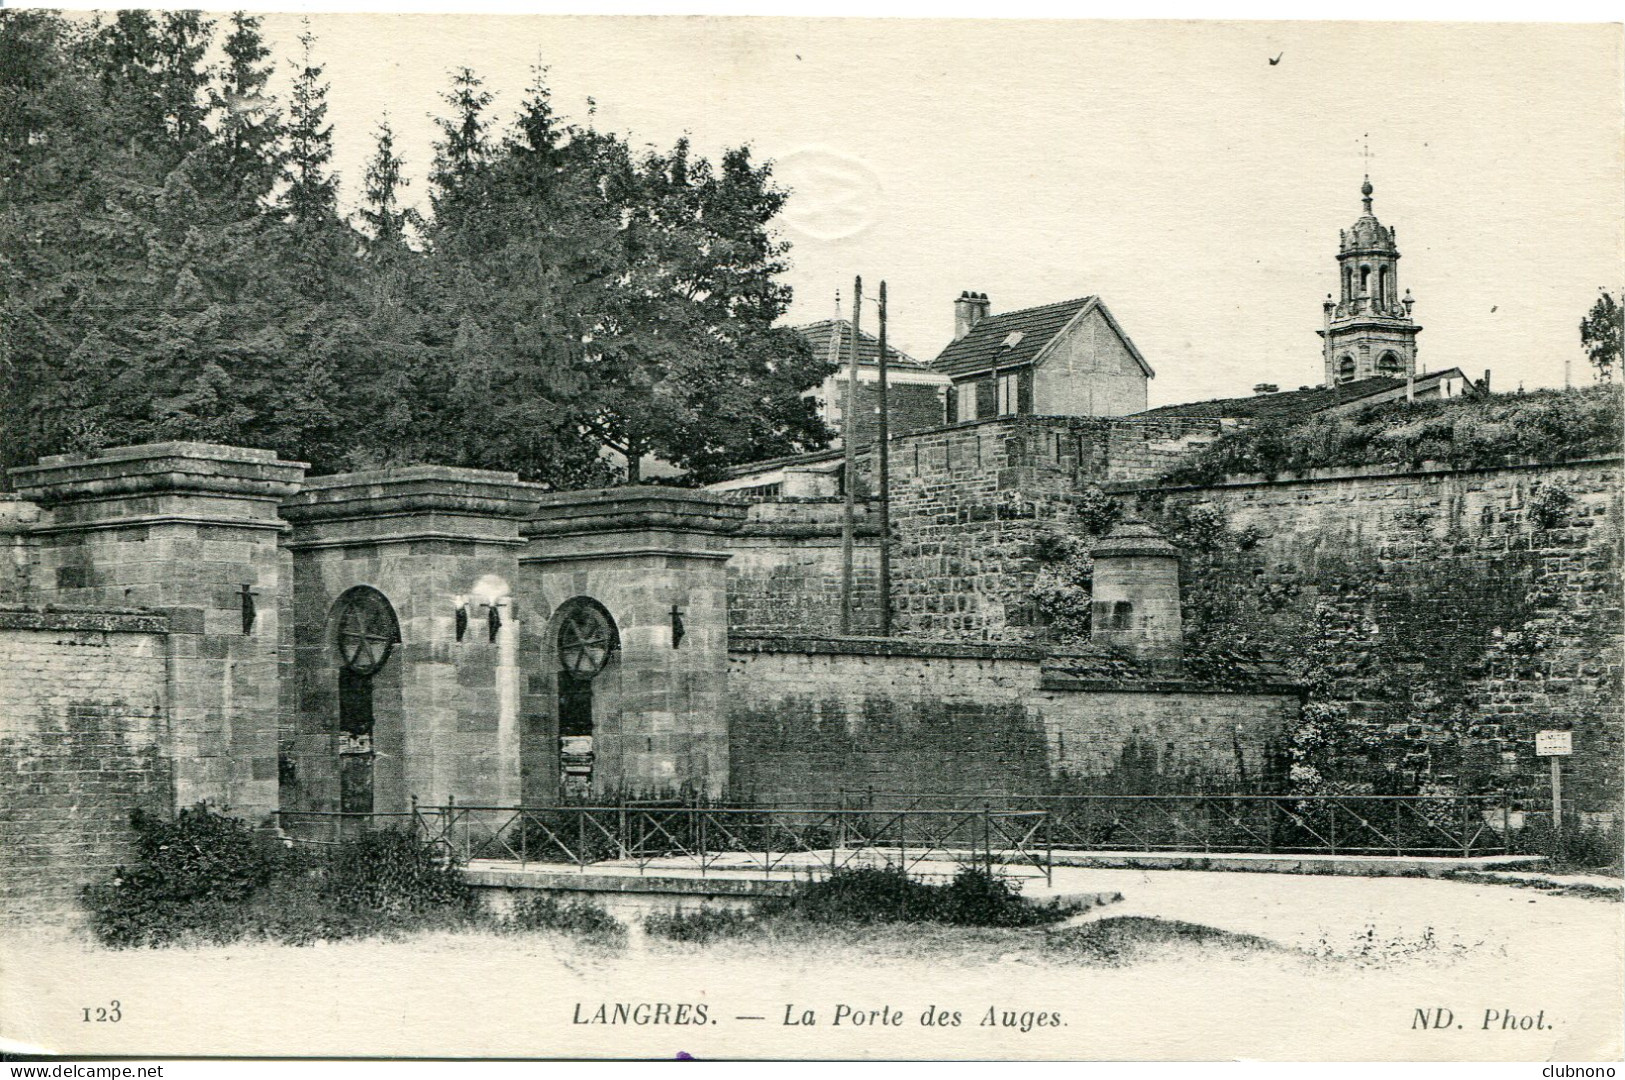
<point x="1064" y="359"/>
<point x="915" y="392"/>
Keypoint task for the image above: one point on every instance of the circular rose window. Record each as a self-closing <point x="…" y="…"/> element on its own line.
<point x="586" y="640"/>
<point x="366" y="630"/>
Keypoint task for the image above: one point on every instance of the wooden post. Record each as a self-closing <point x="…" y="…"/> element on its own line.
<point x="1557" y="799"/>
<point x="884" y="434"/>
<point x="849" y="440"/>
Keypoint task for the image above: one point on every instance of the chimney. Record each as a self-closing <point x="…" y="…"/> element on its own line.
<point x="1485" y="385"/>
<point x="969" y="309"/>
<point x="1265" y="388"/>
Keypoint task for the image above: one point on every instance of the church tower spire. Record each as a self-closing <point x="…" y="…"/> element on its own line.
<point x="1368" y="331"/>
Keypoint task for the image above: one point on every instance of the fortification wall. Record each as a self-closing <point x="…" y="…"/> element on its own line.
<point x="784" y="570"/>
<point x="810" y="717"/>
<point x="1449" y="613"/>
<point x="967" y="501"/>
<point x="84" y="739"/>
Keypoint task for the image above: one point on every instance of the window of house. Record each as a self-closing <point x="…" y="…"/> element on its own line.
<point x="1388" y="364"/>
<point x="966" y="402"/>
<point x="1009" y="397"/>
<point x="1345" y="369"/>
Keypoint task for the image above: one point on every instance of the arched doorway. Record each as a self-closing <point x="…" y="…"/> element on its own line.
<point x="1388" y="364"/>
<point x="586" y="642"/>
<point x="364" y="632"/>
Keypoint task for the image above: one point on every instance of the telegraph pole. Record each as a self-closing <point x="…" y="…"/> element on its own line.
<point x="885" y="482"/>
<point x="849" y="440"/>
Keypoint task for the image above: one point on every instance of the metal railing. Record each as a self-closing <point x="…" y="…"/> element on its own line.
<point x="334" y="827"/>
<point x="836" y="830"/>
<point x="1438" y="825"/>
<point x="789" y="840"/>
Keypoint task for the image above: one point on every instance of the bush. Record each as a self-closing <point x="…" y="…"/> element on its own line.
<point x="191" y="874"/>
<point x="1580" y="848"/>
<point x="206" y="878"/>
<point x="544" y="911"/>
<point x="394" y="874"/>
<point x="1546" y="425"/>
<point x="699" y="927"/>
<point x="870" y="895"/>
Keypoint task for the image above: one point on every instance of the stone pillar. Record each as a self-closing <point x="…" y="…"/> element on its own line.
<point x="1135" y="603"/>
<point x="640" y="552"/>
<point x="185" y="529"/>
<point x="432" y="540"/>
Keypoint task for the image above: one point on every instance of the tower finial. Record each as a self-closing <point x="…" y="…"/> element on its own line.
<point x="1365" y="152"/>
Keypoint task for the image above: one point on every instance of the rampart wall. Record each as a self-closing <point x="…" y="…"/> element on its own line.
<point x="84" y="738"/>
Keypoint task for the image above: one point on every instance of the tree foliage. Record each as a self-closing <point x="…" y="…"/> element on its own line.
<point x="175" y="263"/>
<point x="1602" y="335"/>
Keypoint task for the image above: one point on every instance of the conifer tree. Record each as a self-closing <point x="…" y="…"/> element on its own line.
<point x="247" y="148"/>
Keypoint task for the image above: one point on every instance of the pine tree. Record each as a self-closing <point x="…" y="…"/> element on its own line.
<point x="461" y="154"/>
<point x="247" y="151"/>
<point x="312" y="195"/>
<point x="386" y="221"/>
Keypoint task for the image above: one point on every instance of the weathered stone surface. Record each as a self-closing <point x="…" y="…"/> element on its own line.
<point x="84" y="741"/>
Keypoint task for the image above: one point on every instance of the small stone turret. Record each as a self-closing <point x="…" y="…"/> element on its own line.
<point x="1135" y="608"/>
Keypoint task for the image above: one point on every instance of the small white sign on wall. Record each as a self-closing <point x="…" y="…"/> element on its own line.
<point x="1554" y="743"/>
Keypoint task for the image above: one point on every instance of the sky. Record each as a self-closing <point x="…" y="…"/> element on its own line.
<point x="1168" y="167"/>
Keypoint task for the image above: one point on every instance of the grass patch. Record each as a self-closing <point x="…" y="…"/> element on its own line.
<point x="700" y="927"/>
<point x="582" y="918"/>
<point x="874" y="895"/>
<point x="1130" y="938"/>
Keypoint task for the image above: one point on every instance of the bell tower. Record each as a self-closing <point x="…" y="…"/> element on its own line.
<point x="1368" y="331"/>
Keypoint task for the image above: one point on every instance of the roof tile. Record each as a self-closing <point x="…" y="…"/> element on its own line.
<point x="978" y="350"/>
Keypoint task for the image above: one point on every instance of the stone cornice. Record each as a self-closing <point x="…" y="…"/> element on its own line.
<point x="411" y="491"/>
<point x="633" y="509"/>
<point x="178" y="468"/>
<point x="854" y="645"/>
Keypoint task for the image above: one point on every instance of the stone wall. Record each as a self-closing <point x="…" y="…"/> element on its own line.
<point x="967" y="501"/>
<point x="445" y="710"/>
<point x="910" y="406"/>
<point x="18" y="552"/>
<point x="190" y="530"/>
<point x="784" y="572"/>
<point x="84" y="741"/>
<point x="654" y="559"/>
<point x="809" y="717"/>
<point x="1446" y="613"/>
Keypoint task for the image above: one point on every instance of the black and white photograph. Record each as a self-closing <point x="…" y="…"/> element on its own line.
<point x="563" y="536"/>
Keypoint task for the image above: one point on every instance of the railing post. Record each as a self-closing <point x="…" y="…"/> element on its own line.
<point x="1332" y="823"/>
<point x="702" y="841"/>
<point x="1049" y="853"/>
<point x="1506" y="821"/>
<point x="622" y="837"/>
<point x="524" y="838"/>
<point x="581" y="838"/>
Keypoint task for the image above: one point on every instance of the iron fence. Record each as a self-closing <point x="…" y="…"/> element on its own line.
<point x="789" y="840"/>
<point x="1454" y="825"/>
<point x="1018" y="832"/>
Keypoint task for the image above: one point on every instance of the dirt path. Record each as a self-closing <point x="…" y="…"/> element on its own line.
<point x="1365" y="955"/>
